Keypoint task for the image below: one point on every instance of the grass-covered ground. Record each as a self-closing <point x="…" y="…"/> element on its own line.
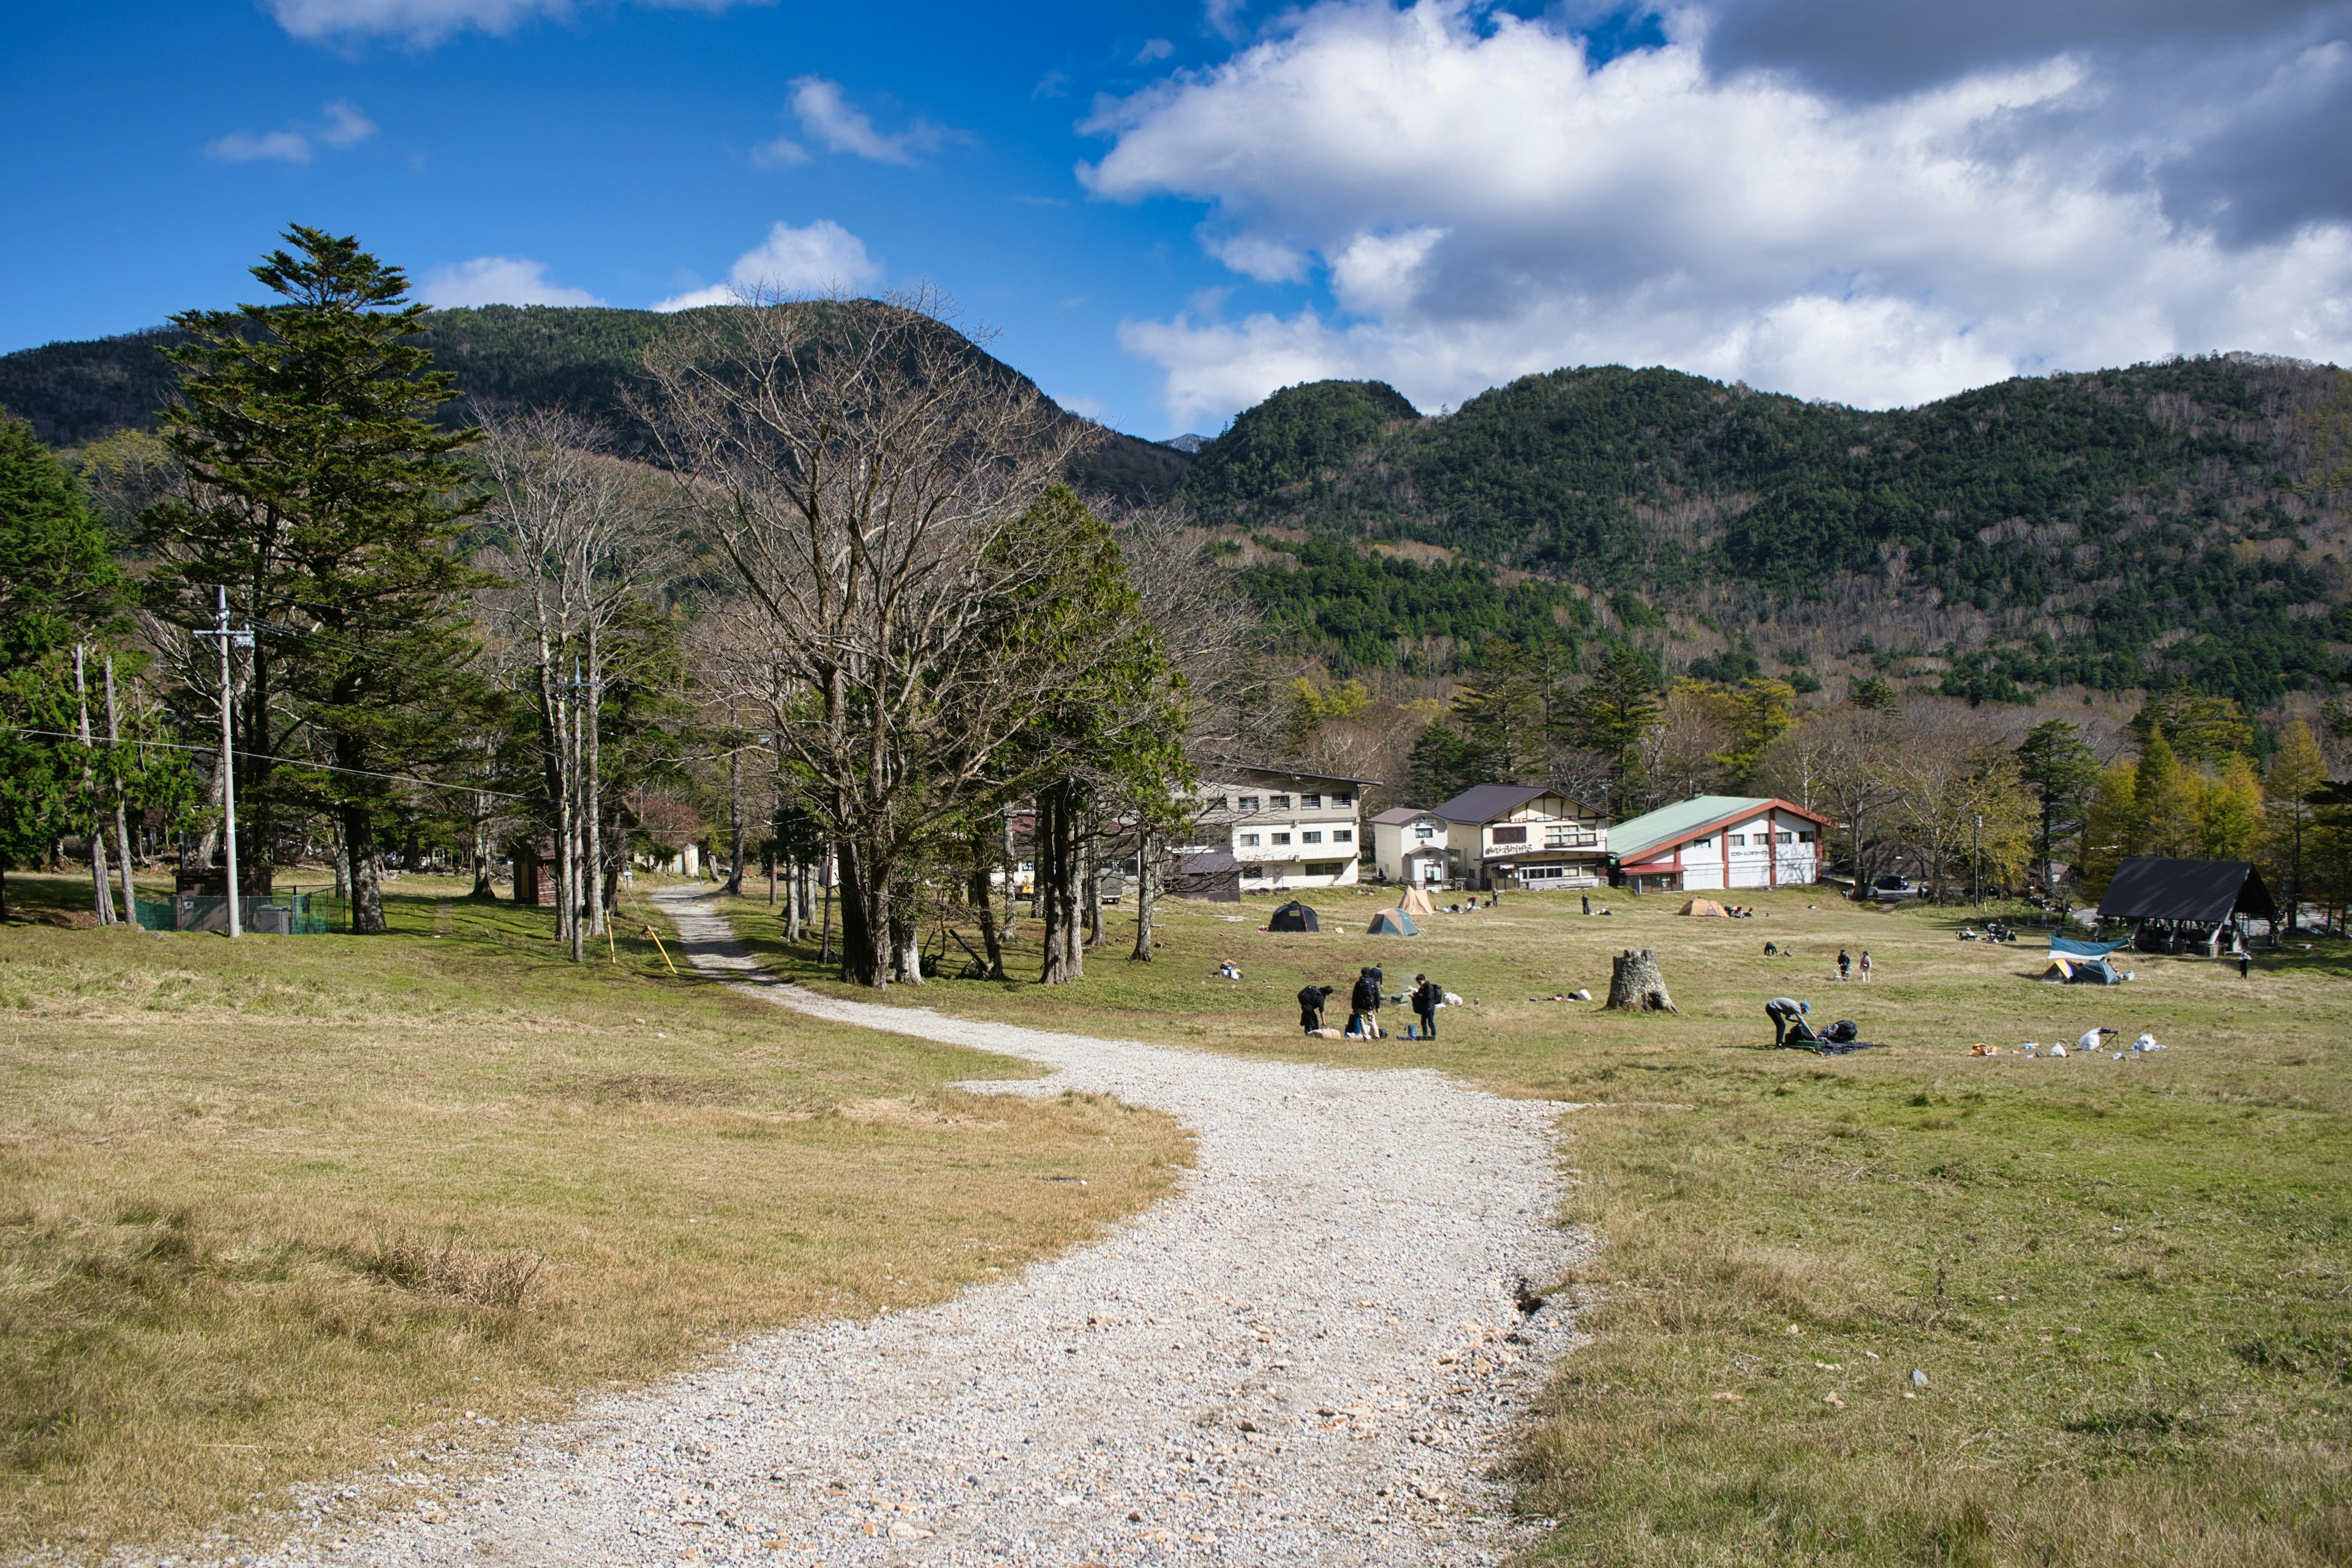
<point x="287" y="1208"/>
<point x="2126" y="1283"/>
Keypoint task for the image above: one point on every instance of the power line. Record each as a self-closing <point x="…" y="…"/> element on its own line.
<point x="290" y="761"/>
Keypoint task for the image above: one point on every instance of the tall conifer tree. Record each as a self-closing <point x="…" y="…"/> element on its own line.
<point x="329" y="503"/>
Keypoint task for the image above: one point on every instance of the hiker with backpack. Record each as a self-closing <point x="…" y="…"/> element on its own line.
<point x="1428" y="996"/>
<point x="1311" y="1003"/>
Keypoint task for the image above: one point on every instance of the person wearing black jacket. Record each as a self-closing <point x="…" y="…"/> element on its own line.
<point x="1310" y="1006"/>
<point x="1428" y="996"/>
<point x="1364" y="1001"/>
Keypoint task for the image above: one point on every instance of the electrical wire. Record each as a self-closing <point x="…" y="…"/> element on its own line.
<point x="289" y="761"/>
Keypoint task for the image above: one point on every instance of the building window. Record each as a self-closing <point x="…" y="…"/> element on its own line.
<point x="1313" y="800"/>
<point x="1249" y="802"/>
<point x="1249" y="840"/>
<point x="1737" y="840"/>
<point x="1310" y="838"/>
<point x="1343" y="800"/>
<point x="1282" y="839"/>
<point x="1279" y="801"/>
<point x="1424" y="833"/>
<point x="1702" y="843"/>
<point x="1510" y="834"/>
<point x="1324" y="867"/>
<point x="1343" y="835"/>
<point x="1804" y="838"/>
<point x="1784" y="838"/>
<point x="1221" y="804"/>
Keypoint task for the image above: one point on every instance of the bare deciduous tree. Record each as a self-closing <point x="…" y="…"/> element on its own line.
<point x="867" y="473"/>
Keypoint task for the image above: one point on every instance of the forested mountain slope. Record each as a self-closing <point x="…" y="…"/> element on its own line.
<point x="2183" y="520"/>
<point x="583" y="358"/>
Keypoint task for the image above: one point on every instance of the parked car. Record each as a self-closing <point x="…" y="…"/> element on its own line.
<point x="1892" y="888"/>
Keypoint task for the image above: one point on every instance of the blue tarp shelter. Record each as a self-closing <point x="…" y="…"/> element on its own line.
<point x="2067" y="947"/>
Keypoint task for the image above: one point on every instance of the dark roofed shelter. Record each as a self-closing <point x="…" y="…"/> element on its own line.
<point x="2177" y="905"/>
<point x="1210" y="874"/>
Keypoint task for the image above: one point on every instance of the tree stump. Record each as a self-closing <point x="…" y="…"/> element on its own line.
<point x="1636" y="986"/>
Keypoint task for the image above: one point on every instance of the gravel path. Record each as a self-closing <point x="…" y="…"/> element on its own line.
<point x="1307" y="1355"/>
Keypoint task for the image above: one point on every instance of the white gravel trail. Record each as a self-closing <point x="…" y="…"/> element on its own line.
<point x="1306" y="1355"/>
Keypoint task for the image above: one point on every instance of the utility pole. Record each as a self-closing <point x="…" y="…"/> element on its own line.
<point x="228" y="638"/>
<point x="1976" y="862"/>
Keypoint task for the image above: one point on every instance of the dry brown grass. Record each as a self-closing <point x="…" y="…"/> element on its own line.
<point x="277" y="1211"/>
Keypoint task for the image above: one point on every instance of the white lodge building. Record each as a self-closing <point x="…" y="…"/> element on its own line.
<point x="1285" y="828"/>
<point x="1525" y="836"/>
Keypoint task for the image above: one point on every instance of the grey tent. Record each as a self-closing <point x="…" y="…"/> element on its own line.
<point x="1393" y="923"/>
<point x="1213" y="874"/>
<point x="1294" y="916"/>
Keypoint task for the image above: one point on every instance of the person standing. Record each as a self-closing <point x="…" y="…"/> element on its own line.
<point x="1846" y="965"/>
<point x="1427" y="997"/>
<point x="2245" y="963"/>
<point x="1587" y="903"/>
<point x="1363" y="1004"/>
<point x="1866" y="963"/>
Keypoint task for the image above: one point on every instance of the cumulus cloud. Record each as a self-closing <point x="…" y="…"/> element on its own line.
<point x="497" y="280"/>
<point x="344" y="126"/>
<point x="1482" y="197"/>
<point x="821" y="259"/>
<point x="829" y="119"/>
<point x="428" y="22"/>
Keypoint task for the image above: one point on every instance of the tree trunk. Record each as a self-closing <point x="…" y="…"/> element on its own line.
<point x="121" y="816"/>
<point x="865" y="919"/>
<point x="1636" y="986"/>
<point x="734" y="889"/>
<point x="1011" y="881"/>
<point x="1143" y="898"/>
<point x="366" y="872"/>
<point x="984" y="907"/>
<point x="826" y="877"/>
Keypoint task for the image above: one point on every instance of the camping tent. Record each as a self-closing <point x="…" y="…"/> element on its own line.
<point x="2082" y="972"/>
<point x="1703" y="907"/>
<point x="1393" y="923"/>
<point x="1294" y="916"/>
<point x="1416" y="901"/>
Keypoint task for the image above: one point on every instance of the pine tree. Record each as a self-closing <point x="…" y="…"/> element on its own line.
<point x="56" y="582"/>
<point x="2297" y="774"/>
<point x="2165" y="814"/>
<point x="327" y="501"/>
<point x="1611" y="714"/>
<point x="2058" y="767"/>
<point x="2229" y="812"/>
<point x="2110" y="825"/>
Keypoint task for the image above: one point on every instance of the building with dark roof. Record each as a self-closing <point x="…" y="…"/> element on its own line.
<point x="2185" y="906"/>
<point x="1524" y="836"/>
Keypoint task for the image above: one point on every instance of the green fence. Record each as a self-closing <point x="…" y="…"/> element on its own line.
<point x="277" y="914"/>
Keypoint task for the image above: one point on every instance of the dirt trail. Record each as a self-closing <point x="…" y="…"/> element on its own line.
<point x="1305" y="1356"/>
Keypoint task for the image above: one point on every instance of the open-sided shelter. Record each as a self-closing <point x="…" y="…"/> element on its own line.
<point x="2185" y="906"/>
<point x="1393" y="923"/>
<point x="1210" y="874"/>
<point x="1294" y="916"/>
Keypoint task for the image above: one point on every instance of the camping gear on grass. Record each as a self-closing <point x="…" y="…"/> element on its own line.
<point x="1393" y="922"/>
<point x="1704" y="907"/>
<point x="1294" y="916"/>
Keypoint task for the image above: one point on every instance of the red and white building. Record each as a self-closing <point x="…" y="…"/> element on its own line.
<point x="1721" y="841"/>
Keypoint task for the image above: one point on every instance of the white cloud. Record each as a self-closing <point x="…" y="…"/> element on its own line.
<point x="1483" y="201"/>
<point x="428" y="22"/>
<point x="1153" y="50"/>
<point x="497" y="280"/>
<point x="782" y="153"/>
<point x="830" y="119"/>
<point x="821" y="259"/>
<point x="344" y="126"/>
<point x="254" y="146"/>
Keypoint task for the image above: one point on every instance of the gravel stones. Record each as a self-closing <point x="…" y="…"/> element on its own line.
<point x="1305" y="1356"/>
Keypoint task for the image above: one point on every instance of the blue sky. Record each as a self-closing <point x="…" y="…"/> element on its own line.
<point x="1169" y="209"/>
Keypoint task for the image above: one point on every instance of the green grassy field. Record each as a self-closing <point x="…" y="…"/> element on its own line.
<point x="2125" y="1283"/>
<point x="290" y="1208"/>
